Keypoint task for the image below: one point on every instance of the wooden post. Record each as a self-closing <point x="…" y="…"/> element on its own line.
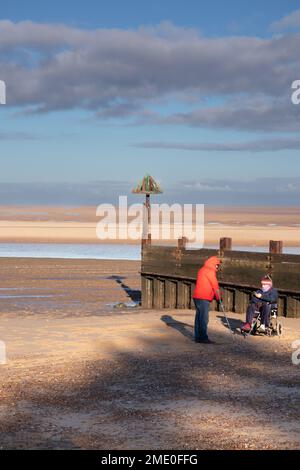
<point x="183" y="295"/>
<point x="147" y="292"/>
<point x="225" y="244"/>
<point x="275" y="247"/>
<point x="282" y="306"/>
<point x="227" y="299"/>
<point x="182" y="243"/>
<point x="241" y="301"/>
<point x="170" y="294"/>
<point x="181" y="246"/>
<point x="293" y="307"/>
<point x="147" y="241"/>
<point x="148" y="206"/>
<point x="158" y="293"/>
<point x="147" y="218"/>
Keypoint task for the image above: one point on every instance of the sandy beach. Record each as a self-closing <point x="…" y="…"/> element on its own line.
<point x="81" y="374"/>
<point x="84" y="374"/>
<point x="150" y="231"/>
<point x="245" y="225"/>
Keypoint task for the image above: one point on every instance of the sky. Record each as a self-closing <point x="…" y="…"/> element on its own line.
<point x="196" y="93"/>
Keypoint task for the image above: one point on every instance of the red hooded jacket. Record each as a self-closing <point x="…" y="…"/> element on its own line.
<point x="207" y="286"/>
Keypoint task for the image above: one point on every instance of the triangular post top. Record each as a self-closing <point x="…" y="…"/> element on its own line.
<point x="147" y="186"/>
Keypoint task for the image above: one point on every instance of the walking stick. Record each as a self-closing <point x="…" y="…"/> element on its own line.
<point x="226" y="318"/>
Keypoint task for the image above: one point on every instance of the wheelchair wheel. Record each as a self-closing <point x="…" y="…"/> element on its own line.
<point x="279" y="328"/>
<point x="254" y="328"/>
<point x="269" y="332"/>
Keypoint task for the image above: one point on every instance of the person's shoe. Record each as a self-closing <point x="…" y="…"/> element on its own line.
<point x="205" y="341"/>
<point x="262" y="328"/>
<point x="246" y="327"/>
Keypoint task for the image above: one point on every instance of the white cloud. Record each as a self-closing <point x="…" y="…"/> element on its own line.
<point x="290" y="21"/>
<point x="206" y="186"/>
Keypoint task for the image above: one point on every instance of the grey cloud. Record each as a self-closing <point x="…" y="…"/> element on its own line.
<point x="90" y="193"/>
<point x="119" y="73"/>
<point x="119" y="110"/>
<point x="260" y="191"/>
<point x="248" y="146"/>
<point x="258" y="114"/>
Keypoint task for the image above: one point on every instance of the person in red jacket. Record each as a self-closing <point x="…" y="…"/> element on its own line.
<point x="207" y="289"/>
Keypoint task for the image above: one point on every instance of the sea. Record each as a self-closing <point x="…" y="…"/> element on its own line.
<point x="107" y="251"/>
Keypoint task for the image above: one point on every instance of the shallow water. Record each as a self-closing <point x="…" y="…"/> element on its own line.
<point x="10" y="296"/>
<point x="70" y="251"/>
<point x="95" y="251"/>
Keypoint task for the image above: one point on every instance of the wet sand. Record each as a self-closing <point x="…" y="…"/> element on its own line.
<point x="81" y="374"/>
<point x="245" y="225"/>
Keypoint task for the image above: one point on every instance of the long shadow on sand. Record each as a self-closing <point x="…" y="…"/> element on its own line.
<point x="183" y="328"/>
<point x="133" y="294"/>
<point x="235" y="323"/>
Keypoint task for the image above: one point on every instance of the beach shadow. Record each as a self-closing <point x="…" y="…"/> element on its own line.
<point x="111" y="407"/>
<point x="235" y="323"/>
<point x="116" y="278"/>
<point x="134" y="294"/>
<point x="183" y="328"/>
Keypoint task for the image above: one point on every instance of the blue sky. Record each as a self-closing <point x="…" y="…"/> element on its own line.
<point x="196" y="93"/>
<point x="214" y="17"/>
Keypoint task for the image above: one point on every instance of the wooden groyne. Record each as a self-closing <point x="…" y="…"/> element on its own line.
<point x="169" y="276"/>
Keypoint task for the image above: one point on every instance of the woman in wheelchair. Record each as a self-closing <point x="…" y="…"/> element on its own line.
<point x="262" y="302"/>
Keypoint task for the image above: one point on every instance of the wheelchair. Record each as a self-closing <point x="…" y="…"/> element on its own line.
<point x="275" y="327"/>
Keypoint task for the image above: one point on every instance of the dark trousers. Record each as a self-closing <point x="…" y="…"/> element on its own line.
<point x="264" y="309"/>
<point x="201" y="319"/>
